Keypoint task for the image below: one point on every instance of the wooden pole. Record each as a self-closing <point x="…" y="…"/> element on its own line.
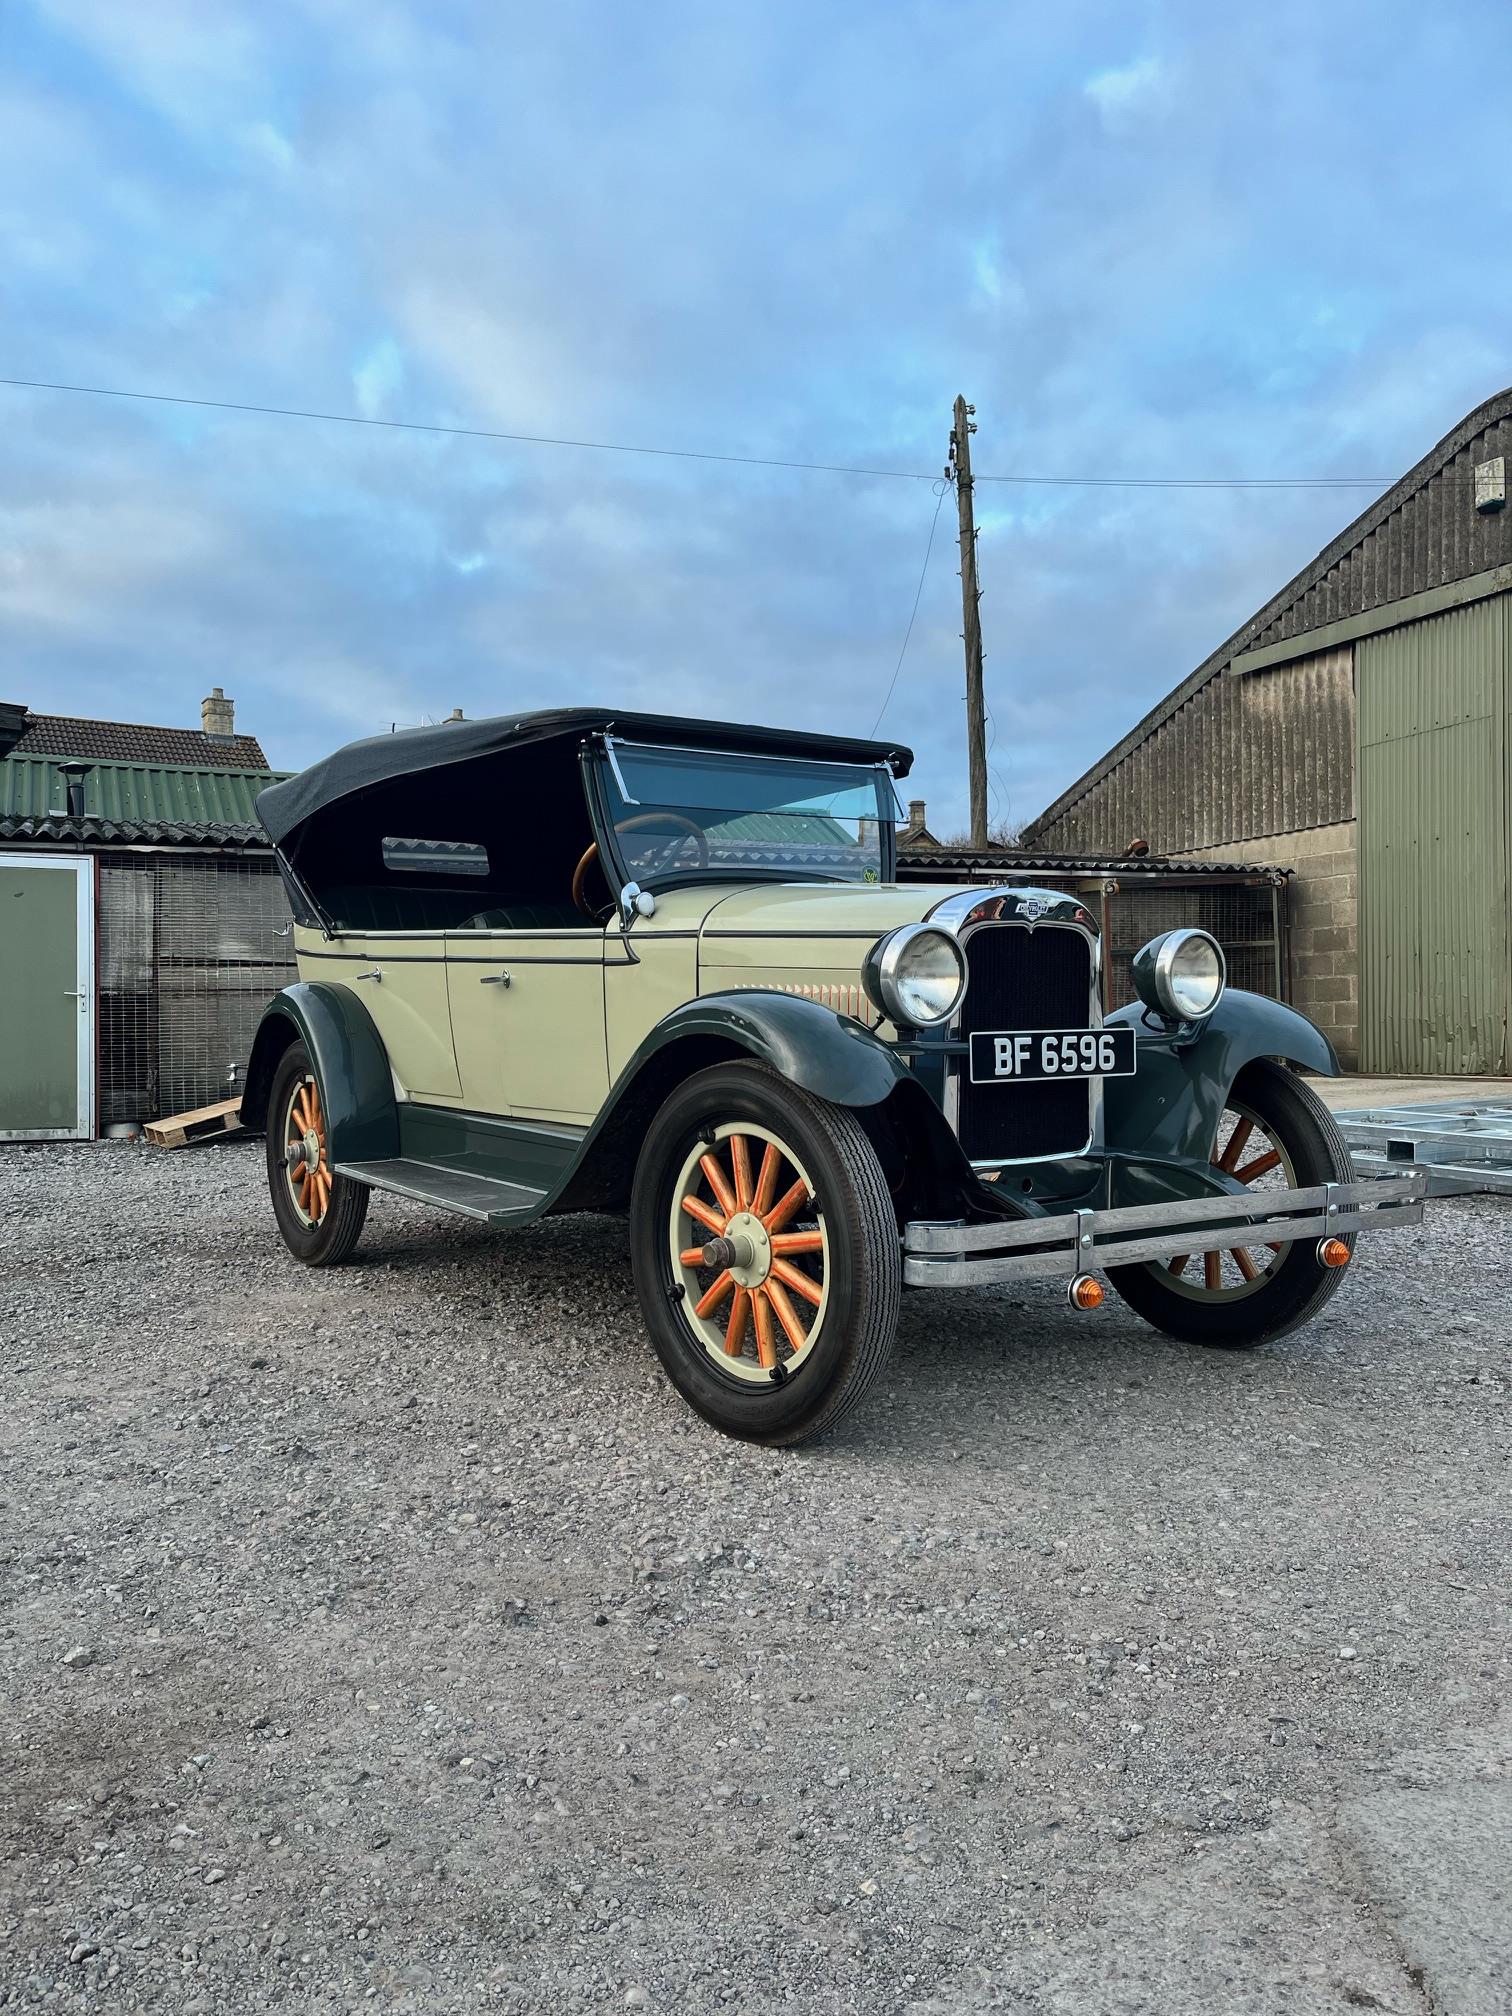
<point x="976" y="707"/>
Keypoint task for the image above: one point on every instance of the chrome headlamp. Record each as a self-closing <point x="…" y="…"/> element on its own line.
<point x="915" y="975"/>
<point x="1180" y="975"/>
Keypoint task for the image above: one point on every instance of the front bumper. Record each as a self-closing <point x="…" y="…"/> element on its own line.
<point x="953" y="1254"/>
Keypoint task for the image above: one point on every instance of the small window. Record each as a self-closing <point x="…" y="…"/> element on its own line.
<point x="435" y="857"/>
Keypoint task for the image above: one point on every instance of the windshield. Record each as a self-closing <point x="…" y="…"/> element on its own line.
<point x="692" y="811"/>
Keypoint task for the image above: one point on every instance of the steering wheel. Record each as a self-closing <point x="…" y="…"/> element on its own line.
<point x="591" y="852"/>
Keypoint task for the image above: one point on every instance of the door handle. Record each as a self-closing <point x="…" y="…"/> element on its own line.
<point x="373" y="973"/>
<point x="500" y="979"/>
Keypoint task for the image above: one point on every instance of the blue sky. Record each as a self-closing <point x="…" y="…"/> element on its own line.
<point x="1145" y="240"/>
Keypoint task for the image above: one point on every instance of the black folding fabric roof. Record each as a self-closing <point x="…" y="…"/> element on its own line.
<point x="283" y="807"/>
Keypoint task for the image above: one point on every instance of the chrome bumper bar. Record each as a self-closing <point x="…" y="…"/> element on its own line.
<point x="952" y="1254"/>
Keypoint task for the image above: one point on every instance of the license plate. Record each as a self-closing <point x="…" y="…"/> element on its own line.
<point x="1015" y="1056"/>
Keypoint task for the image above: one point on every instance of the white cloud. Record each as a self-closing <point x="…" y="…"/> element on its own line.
<point x="1131" y="96"/>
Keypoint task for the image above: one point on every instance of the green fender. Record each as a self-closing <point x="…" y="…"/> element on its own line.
<point x="356" y="1085"/>
<point x="828" y="1054"/>
<point x="1169" y="1110"/>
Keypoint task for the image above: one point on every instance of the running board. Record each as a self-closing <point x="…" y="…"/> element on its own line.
<point x="483" y="1197"/>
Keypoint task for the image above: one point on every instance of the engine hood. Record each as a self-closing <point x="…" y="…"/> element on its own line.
<point x="800" y="911"/>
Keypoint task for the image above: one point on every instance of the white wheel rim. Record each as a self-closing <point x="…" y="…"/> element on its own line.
<point x="748" y="1329"/>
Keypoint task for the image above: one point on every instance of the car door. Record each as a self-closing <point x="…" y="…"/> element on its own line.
<point x="527" y="1017"/>
<point x="400" y="978"/>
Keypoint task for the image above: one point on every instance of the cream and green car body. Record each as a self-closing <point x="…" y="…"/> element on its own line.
<point x="514" y="1061"/>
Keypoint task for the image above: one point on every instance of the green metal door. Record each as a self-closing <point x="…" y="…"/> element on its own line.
<point x="1435" y="961"/>
<point x="46" y="997"/>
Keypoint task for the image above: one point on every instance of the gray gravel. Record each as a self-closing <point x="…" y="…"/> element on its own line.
<point x="394" y="1636"/>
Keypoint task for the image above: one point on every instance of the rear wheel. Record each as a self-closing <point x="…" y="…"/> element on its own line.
<point x="319" y="1213"/>
<point x="766" y="1254"/>
<point x="1274" y="1133"/>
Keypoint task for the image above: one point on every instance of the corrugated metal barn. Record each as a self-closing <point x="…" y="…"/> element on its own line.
<point x="1356" y="731"/>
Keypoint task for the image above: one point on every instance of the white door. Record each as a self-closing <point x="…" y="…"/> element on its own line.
<point x="47" y="1023"/>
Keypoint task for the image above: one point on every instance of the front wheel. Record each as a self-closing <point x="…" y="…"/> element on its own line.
<point x="766" y="1254"/>
<point x="1274" y="1133"/>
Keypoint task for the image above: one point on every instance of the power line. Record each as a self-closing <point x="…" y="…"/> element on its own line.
<point x="940" y="489"/>
<point x="697" y="454"/>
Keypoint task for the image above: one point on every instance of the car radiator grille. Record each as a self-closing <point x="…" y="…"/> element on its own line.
<point x="1018" y="978"/>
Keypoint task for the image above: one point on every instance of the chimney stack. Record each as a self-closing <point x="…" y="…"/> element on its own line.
<point x="915" y="816"/>
<point x="218" y="715"/>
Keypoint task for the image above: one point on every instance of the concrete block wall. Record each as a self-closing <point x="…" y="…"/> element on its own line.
<point x="1323" y="910"/>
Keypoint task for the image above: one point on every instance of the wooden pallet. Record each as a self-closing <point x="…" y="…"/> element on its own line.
<point x="201" y="1125"/>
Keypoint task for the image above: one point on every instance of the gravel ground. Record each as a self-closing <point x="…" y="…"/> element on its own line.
<point x="394" y="1637"/>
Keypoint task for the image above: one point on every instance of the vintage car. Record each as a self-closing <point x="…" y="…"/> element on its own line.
<point x="578" y="960"/>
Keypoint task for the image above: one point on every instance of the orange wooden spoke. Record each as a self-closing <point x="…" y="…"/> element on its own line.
<point x="1258" y="1167"/>
<point x="787" y="1315"/>
<point x="691" y="1256"/>
<point x="809" y="1290"/>
<point x="724" y="1196"/>
<point x="715" y="1295"/>
<point x="740" y="1317"/>
<point x="301" y="1175"/>
<point x="1212" y="1271"/>
<point x="299" y="1112"/>
<point x="787" y="1207"/>
<point x="766" y="1182"/>
<point x="740" y="1162"/>
<point x="1236" y="1142"/>
<point x="766" y="1343"/>
<point x="1245" y="1265"/>
<point x="798" y="1242"/>
<point x="704" y="1213"/>
<point x="1277" y="1246"/>
<point x="1179" y="1264"/>
<point x="323" y="1183"/>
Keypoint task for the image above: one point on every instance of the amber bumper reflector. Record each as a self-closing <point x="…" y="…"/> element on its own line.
<point x="1085" y="1292"/>
<point x="1333" y="1253"/>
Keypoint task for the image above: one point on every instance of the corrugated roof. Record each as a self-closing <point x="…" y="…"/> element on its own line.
<point x="158" y="793"/>
<point x="130" y="742"/>
<point x="1406" y="540"/>
<point x="1011" y="866"/>
<point x="91" y="832"/>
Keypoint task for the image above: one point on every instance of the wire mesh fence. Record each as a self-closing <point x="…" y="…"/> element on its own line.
<point x="189" y="952"/>
<point x="1244" y="917"/>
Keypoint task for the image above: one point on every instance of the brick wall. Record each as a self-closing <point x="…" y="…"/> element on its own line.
<point x="1322" y="906"/>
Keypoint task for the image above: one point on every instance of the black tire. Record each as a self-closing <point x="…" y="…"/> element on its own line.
<point x="770" y="1391"/>
<point x="323" y="1239"/>
<point x="1296" y="1284"/>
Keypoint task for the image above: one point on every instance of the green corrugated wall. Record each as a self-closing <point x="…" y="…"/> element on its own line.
<point x="1432" y="739"/>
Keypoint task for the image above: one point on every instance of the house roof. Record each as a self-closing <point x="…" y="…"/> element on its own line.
<point x="70" y="735"/>
<point x="1404" y="534"/>
<point x="95" y="832"/>
<point x="159" y="794"/>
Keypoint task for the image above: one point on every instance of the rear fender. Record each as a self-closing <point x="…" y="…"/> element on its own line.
<point x="1169" y="1110"/>
<point x="356" y="1085"/>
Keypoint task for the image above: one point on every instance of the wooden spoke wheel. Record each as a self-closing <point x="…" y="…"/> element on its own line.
<point x="320" y="1213"/>
<point x="750" y="1250"/>
<point x="306" y="1163"/>
<point x="766" y="1253"/>
<point x="1247" y="1150"/>
<point x="1274" y="1133"/>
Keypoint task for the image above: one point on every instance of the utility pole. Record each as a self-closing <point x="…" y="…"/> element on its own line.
<point x="976" y="708"/>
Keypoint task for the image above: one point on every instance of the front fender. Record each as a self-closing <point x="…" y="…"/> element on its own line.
<point x="828" y="1054"/>
<point x="356" y="1085"/>
<point x="1169" y="1110"/>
